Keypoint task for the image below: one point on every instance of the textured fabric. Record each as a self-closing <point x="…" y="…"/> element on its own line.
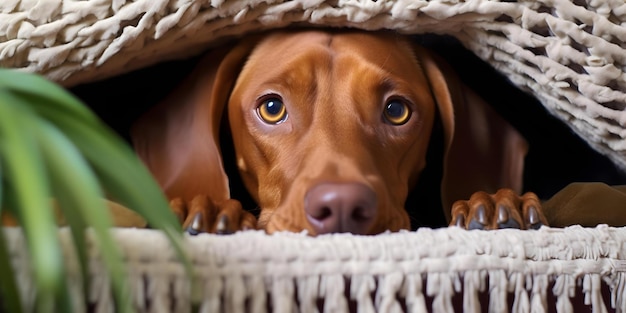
<point x="429" y="269"/>
<point x="569" y="54"/>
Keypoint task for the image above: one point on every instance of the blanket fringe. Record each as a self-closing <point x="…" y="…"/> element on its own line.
<point x="443" y="270"/>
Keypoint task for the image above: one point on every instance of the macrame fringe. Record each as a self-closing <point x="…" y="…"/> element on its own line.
<point x="443" y="270"/>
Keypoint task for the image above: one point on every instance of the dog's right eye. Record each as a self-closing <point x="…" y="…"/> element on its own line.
<point x="397" y="112"/>
<point x="272" y="111"/>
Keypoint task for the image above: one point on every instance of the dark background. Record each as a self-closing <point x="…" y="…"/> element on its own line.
<point x="556" y="156"/>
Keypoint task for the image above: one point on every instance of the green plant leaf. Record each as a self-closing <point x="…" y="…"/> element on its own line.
<point x="81" y="200"/>
<point x="24" y="168"/>
<point x="49" y="93"/>
<point x="8" y="287"/>
<point x="70" y="115"/>
<point x="1" y="181"/>
<point x="77" y="227"/>
<point x="103" y="148"/>
<point x="25" y="100"/>
<point x="119" y="170"/>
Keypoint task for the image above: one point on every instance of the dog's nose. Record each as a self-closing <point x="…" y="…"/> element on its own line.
<point x="340" y="207"/>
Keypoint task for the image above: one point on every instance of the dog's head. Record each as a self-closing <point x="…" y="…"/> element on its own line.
<point x="330" y="129"/>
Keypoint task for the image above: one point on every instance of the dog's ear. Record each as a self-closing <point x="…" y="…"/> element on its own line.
<point x="483" y="152"/>
<point x="178" y="139"/>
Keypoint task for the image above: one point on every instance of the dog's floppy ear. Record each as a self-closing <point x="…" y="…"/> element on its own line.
<point x="178" y="139"/>
<point x="482" y="151"/>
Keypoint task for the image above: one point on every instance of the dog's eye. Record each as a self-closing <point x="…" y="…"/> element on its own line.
<point x="272" y="111"/>
<point x="397" y="112"/>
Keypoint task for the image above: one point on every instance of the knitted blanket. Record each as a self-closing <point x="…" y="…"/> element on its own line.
<point x="562" y="270"/>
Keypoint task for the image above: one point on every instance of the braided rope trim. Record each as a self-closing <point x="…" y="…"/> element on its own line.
<point x="570" y="54"/>
<point x="252" y="271"/>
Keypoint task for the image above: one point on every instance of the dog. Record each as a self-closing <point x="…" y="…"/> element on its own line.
<point x="330" y="130"/>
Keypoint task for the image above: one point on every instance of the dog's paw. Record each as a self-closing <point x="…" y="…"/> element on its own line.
<point x="202" y="215"/>
<point x="504" y="209"/>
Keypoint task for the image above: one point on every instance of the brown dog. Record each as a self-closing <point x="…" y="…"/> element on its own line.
<point x="330" y="130"/>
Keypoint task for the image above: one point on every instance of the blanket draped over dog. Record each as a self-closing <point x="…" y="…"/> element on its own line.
<point x="569" y="54"/>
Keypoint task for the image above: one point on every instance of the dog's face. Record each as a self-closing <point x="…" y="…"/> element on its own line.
<point x="324" y="119"/>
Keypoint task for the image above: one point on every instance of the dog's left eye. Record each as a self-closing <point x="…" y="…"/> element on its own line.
<point x="272" y="111"/>
<point x="397" y="112"/>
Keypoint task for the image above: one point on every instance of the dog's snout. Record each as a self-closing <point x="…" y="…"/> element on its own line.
<point x="340" y="207"/>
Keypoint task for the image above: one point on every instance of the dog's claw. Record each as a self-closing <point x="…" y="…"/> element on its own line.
<point x="196" y="225"/>
<point x="505" y="220"/>
<point x="479" y="220"/>
<point x="533" y="218"/>
<point x="475" y="225"/>
<point x="503" y="214"/>
<point x="481" y="215"/>
<point x="201" y="215"/>
<point x="222" y="226"/>
<point x="504" y="209"/>
<point x="460" y="221"/>
<point x="509" y="224"/>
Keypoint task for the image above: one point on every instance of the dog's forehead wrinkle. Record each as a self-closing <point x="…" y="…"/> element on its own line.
<point x="300" y="76"/>
<point x="329" y="41"/>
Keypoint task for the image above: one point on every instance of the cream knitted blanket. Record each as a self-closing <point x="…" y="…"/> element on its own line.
<point x="521" y="271"/>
